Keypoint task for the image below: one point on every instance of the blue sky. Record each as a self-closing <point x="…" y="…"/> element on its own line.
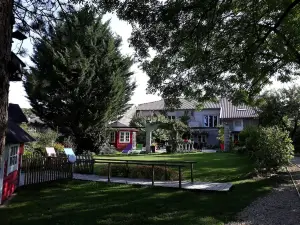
<point x="17" y="93"/>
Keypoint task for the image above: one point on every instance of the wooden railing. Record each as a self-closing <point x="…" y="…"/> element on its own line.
<point x="84" y="164"/>
<point x="179" y="164"/>
<point x="110" y="162"/>
<point x="161" y="163"/>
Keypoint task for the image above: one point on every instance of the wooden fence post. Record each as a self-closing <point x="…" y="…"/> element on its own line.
<point x="192" y="176"/>
<point x="153" y="174"/>
<point x="165" y="170"/>
<point x="127" y="169"/>
<point x="108" y="173"/>
<point x="179" y="167"/>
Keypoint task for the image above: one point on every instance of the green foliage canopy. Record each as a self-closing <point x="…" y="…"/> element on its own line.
<point x="210" y="48"/>
<point x="270" y="147"/>
<point x="281" y="108"/>
<point x="80" y="81"/>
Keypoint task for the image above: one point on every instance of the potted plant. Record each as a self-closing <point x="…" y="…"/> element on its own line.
<point x="153" y="147"/>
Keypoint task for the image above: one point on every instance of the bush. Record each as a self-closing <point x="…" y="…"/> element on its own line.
<point x="140" y="171"/>
<point x="275" y="149"/>
<point x="270" y="147"/>
<point x="59" y="148"/>
<point x="28" y="153"/>
<point x="297" y="141"/>
<point x="248" y="138"/>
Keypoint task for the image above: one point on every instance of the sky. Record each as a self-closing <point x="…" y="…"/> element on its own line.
<point x="17" y="93"/>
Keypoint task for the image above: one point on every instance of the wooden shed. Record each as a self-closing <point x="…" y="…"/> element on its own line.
<point x="123" y="137"/>
<point x="11" y="159"/>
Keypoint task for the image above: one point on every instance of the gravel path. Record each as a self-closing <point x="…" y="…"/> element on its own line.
<point x="280" y="207"/>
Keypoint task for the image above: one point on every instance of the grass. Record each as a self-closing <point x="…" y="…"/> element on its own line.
<point x="210" y="167"/>
<point x="90" y="203"/>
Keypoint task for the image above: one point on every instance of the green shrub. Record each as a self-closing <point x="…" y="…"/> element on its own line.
<point x="248" y="139"/>
<point x="39" y="151"/>
<point x="59" y="148"/>
<point x="297" y="141"/>
<point x="221" y="134"/>
<point x="274" y="149"/>
<point x="28" y="153"/>
<point x="270" y="147"/>
<point x="140" y="171"/>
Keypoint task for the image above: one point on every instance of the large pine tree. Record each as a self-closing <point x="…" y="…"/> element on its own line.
<point x="80" y="81"/>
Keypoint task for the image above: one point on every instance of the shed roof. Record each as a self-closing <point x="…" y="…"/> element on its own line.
<point x="122" y="126"/>
<point x="16" y="114"/>
<point x="117" y="124"/>
<point x="16" y="135"/>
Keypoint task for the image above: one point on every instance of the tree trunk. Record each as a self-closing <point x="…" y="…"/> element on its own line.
<point x="6" y="23"/>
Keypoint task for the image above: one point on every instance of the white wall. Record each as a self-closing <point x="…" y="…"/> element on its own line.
<point x="197" y="120"/>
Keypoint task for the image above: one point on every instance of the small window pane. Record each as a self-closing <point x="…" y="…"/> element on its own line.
<point x="112" y="136"/>
<point x="206" y="121"/>
<point x="238" y="123"/>
<point x="215" y="121"/>
<point x="127" y="139"/>
<point x="211" y="121"/>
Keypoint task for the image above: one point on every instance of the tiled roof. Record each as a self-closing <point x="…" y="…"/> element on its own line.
<point x="185" y="105"/>
<point x="230" y="111"/>
<point x="16" y="114"/>
<point x="211" y="105"/>
<point x="16" y="135"/>
<point x="117" y="124"/>
<point x="160" y="105"/>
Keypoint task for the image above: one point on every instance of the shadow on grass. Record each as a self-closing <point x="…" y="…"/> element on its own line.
<point x="210" y="167"/>
<point x="79" y="202"/>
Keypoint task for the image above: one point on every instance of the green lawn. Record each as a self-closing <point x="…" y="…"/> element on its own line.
<point x="217" y="167"/>
<point x="90" y="203"/>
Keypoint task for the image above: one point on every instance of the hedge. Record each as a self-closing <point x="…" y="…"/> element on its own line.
<point x="140" y="171"/>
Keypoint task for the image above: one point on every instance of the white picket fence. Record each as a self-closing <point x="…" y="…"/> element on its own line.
<point x="185" y="147"/>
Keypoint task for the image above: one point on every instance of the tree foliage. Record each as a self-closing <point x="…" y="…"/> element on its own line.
<point x="141" y="121"/>
<point x="28" y="16"/>
<point x="28" y="112"/>
<point x="213" y="48"/>
<point x="281" y="108"/>
<point x="269" y="147"/>
<point x="171" y="130"/>
<point x="44" y="139"/>
<point x="80" y="81"/>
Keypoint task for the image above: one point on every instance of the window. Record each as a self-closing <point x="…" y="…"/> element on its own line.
<point x="241" y="108"/>
<point x="171" y="117"/>
<point x="203" y="138"/>
<point x="13" y="159"/>
<point x="235" y="137"/>
<point x="124" y="137"/>
<point x="238" y="123"/>
<point x="112" y="138"/>
<point x="210" y="121"/>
